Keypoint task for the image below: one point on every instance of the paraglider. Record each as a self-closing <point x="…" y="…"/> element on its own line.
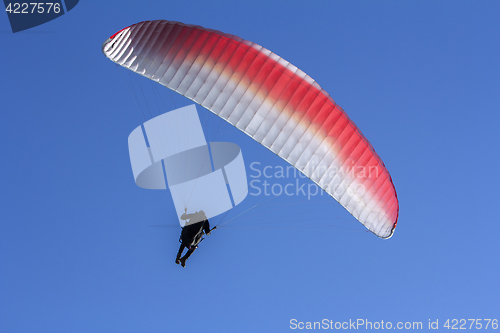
<point x="272" y="101"/>
<point x="192" y="234"/>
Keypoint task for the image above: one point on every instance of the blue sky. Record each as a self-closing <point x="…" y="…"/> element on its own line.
<point x="79" y="250"/>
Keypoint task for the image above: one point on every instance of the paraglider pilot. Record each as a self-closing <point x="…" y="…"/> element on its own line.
<point x="191" y="234"/>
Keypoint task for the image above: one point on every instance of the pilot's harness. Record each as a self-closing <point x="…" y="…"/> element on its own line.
<point x="199" y="238"/>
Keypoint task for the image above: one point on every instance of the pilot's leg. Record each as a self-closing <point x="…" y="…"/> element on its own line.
<point x="179" y="254"/>
<point x="186" y="256"/>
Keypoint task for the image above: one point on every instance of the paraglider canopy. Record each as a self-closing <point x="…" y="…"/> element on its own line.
<point x="270" y="100"/>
